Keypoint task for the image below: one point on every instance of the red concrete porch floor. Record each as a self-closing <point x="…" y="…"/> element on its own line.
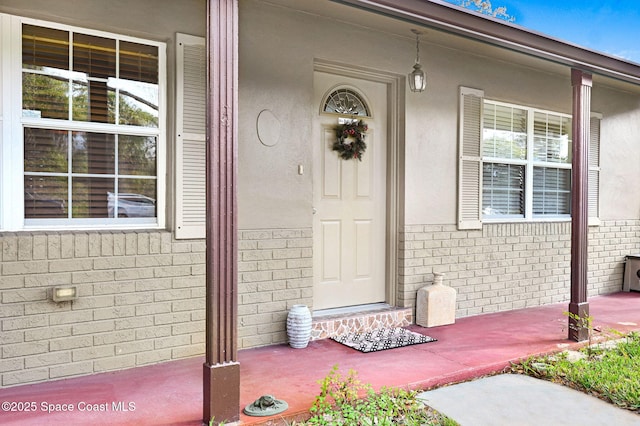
<point x="171" y="393"/>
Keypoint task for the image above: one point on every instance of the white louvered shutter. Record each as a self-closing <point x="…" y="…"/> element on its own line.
<point x="470" y="160"/>
<point x="594" y="170"/>
<point x="190" y="218"/>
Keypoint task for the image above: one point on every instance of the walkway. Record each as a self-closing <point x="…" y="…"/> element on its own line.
<point x="514" y="399"/>
<point x="171" y="393"/>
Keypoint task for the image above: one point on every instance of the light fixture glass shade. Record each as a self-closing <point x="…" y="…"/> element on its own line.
<point x="417" y="79"/>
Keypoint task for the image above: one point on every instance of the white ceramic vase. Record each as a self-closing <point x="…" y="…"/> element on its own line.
<point x="299" y="326"/>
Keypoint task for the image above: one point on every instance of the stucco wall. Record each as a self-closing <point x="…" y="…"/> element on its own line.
<point x="154" y="19"/>
<point x="432" y="120"/>
<point x="620" y="156"/>
<point x="278" y="47"/>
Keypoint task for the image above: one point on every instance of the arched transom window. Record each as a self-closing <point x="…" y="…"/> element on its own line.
<point x="346" y="101"/>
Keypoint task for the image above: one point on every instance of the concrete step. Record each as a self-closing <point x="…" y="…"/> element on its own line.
<point x="332" y="323"/>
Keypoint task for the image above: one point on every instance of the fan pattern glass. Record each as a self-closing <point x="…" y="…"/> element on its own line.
<point x="347" y="102"/>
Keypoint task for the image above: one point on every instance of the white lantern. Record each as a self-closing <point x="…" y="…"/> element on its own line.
<point x="417" y="77"/>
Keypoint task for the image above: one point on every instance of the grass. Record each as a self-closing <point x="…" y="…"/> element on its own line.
<point x="610" y="373"/>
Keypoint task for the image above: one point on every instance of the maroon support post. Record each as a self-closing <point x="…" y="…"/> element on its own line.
<point x="221" y="390"/>
<point x="579" y="306"/>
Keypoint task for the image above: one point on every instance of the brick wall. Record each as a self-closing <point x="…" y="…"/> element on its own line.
<point x="141" y="294"/>
<point x="141" y="298"/>
<point x="275" y="272"/>
<point x="511" y="266"/>
<point x="141" y="301"/>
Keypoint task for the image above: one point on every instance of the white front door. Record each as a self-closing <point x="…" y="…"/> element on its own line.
<point x="349" y="197"/>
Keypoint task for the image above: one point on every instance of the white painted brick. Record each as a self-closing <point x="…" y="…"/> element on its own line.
<point x="74" y="369"/>
<point x="272" y="307"/>
<point x="188" y="258"/>
<point x="187" y="304"/>
<point x="256" y="298"/>
<point x="259" y="235"/>
<point x="172" y="341"/>
<point x="93" y="327"/>
<point x="26" y="322"/>
<point x="73" y="342"/>
<point x="133" y="274"/>
<point x="171" y="271"/>
<point x="172" y="318"/>
<point x="10" y="337"/>
<point x="144" y="286"/>
<point x="22" y="268"/>
<point x="290" y="233"/>
<point x="114" y="337"/>
<point x="271" y="265"/>
<point x="81" y="245"/>
<point x="93" y="302"/>
<point x="25" y="376"/>
<point x="117" y="363"/>
<point x="24" y="349"/>
<point x="91" y="276"/>
<point x="153" y="332"/>
<point x="39" y="247"/>
<point x="119" y="244"/>
<point x="187" y="351"/>
<point x="12" y="282"/>
<point x="134" y="347"/>
<point x="47" y="359"/>
<point x="12" y="364"/>
<point x="190" y="327"/>
<point x="24" y="295"/>
<point x="114" y="288"/>
<point x="47" y="333"/>
<point x="168" y="295"/>
<point x="44" y="307"/>
<point x="153" y="308"/>
<point x="183" y="282"/>
<point x="152" y="357"/>
<point x="113" y="313"/>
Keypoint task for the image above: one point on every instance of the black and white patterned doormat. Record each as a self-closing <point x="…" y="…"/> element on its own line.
<point x="381" y="339"/>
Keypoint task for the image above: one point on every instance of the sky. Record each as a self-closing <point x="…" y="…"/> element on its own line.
<point x="608" y="26"/>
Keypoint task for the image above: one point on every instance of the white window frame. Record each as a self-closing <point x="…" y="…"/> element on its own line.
<point x="529" y="163"/>
<point x="12" y="126"/>
<point x="470" y="165"/>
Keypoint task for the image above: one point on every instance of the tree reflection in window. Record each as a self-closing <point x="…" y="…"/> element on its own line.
<point x="84" y="173"/>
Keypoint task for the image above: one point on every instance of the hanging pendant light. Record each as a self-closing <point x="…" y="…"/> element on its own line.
<point x="417" y="77"/>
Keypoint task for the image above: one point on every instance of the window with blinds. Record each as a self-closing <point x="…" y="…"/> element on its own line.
<point x="526" y="162"/>
<point x="91" y="116"/>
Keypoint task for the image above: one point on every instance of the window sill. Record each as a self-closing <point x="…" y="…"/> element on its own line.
<point x="496" y="221"/>
<point x="106" y="228"/>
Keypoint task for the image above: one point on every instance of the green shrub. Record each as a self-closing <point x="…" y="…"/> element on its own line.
<point x="345" y="400"/>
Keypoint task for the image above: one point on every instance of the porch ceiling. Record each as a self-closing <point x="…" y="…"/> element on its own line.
<point x="455" y="28"/>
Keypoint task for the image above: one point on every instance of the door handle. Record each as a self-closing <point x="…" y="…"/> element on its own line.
<point x="314" y="210"/>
